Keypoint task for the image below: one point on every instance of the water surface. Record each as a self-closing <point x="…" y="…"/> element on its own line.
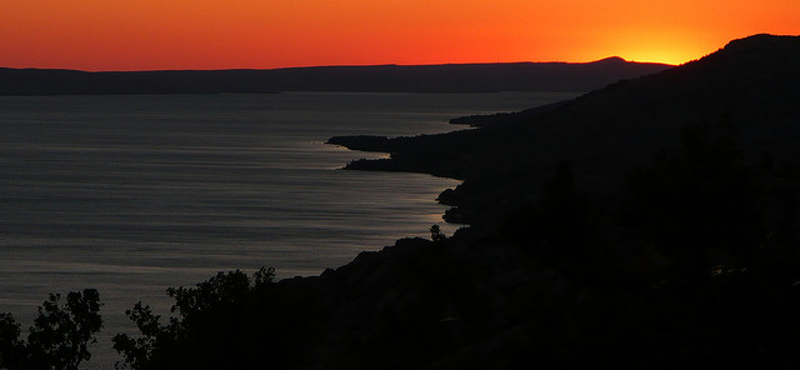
<point x="132" y="194"/>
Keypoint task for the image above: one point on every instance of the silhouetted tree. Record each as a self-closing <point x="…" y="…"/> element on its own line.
<point x="436" y="234"/>
<point x="10" y="345"/>
<point x="59" y="337"/>
<point x="199" y="331"/>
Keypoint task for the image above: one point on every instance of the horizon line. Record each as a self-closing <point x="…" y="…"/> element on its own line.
<point x="337" y="66"/>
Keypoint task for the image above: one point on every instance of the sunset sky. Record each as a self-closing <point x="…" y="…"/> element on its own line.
<point x="216" y="34"/>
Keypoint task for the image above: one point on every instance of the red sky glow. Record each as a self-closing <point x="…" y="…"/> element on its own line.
<point x="214" y="34"/>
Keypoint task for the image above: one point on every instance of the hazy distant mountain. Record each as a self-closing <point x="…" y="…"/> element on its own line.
<point x="569" y="77"/>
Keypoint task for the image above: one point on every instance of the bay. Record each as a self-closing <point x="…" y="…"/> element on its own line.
<point x="133" y="194"/>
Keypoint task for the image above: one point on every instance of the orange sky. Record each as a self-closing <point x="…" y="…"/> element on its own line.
<point x="215" y="34"/>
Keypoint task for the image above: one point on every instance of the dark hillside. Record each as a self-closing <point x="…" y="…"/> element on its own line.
<point x="651" y="224"/>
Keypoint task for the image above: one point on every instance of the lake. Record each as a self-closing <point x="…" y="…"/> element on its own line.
<point x="134" y="194"/>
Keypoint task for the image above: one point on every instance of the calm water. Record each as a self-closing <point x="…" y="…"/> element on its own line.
<point x="132" y="194"/>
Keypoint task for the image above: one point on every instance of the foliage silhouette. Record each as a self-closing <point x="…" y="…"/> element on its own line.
<point x="436" y="234"/>
<point x="205" y="311"/>
<point x="59" y="337"/>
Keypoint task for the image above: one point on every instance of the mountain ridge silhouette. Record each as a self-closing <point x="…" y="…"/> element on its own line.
<point x="487" y="77"/>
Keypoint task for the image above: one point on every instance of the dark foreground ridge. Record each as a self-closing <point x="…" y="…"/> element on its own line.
<point x="450" y="78"/>
<point x="651" y="224"/>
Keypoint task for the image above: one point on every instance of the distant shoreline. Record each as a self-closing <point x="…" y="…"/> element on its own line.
<point x="449" y="78"/>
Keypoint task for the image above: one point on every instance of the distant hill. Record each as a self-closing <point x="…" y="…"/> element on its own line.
<point x="566" y="77"/>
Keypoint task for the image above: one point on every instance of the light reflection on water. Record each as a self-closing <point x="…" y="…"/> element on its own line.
<point x="132" y="194"/>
